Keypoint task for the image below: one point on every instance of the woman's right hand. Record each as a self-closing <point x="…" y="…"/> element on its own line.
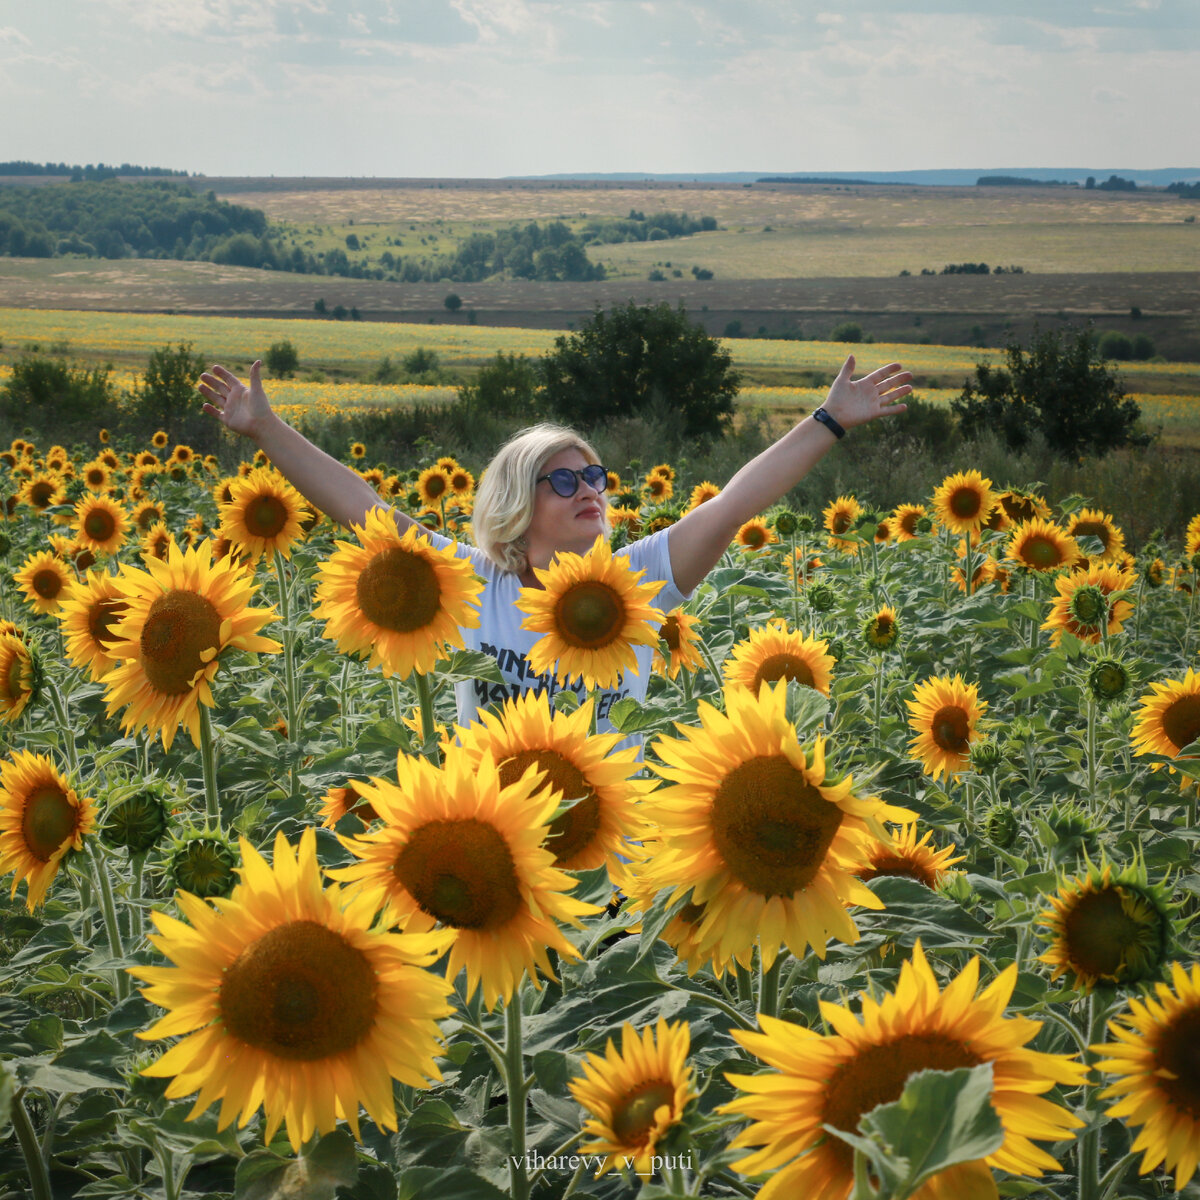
<point x="243" y="409"/>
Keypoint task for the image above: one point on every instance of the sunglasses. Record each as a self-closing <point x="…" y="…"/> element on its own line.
<point x="565" y="481"/>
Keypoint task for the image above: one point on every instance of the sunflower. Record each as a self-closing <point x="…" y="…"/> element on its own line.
<point x="20" y="676"/>
<point x="159" y="440"/>
<point x="157" y="542"/>
<point x="289" y="999"/>
<point x="1040" y="545"/>
<point x="1168" y="720"/>
<point x="1091" y="522"/>
<point x="579" y="768"/>
<point x="100" y="524"/>
<point x="96" y="476"/>
<point x="433" y="486"/>
<point x="834" y="1079"/>
<point x="985" y="570"/>
<point x="773" y="652"/>
<point x="339" y="802"/>
<point x="446" y="463"/>
<point x="613" y="484"/>
<point x="701" y="494"/>
<point x="1105" y="931"/>
<point x="89" y="614"/>
<point x="963" y="501"/>
<point x="110" y="460"/>
<point x="44" y="579"/>
<point x="593" y="612"/>
<point x="460" y="849"/>
<point x="1154" y="1060"/>
<point x="629" y="518"/>
<point x="635" y="1096"/>
<point x="1082" y="606"/>
<point x="665" y="470"/>
<point x="146" y="514"/>
<point x="678" y="630"/>
<point x="904" y="856"/>
<point x="41" y="819"/>
<point x="397" y="600"/>
<point x="263" y="515"/>
<point x="657" y="488"/>
<point x="1023" y="506"/>
<point x="803" y="567"/>
<point x="755" y="534"/>
<point x="103" y="435"/>
<point x="43" y="490"/>
<point x="357" y="451"/>
<point x="882" y="628"/>
<point x="1193" y="535"/>
<point x="758" y="832"/>
<point x="462" y="482"/>
<point x="179" y="618"/>
<point x="840" y="517"/>
<point x="944" y="712"/>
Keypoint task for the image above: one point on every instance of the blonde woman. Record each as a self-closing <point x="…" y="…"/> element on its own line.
<point x="544" y="493"/>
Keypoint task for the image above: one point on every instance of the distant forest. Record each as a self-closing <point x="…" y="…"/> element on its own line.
<point x="92" y="171"/>
<point x="169" y="220"/>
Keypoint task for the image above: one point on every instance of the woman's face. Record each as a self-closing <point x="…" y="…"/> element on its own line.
<point x="564" y="522"/>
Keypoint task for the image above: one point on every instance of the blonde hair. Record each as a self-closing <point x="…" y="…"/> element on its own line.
<point x="504" y="502"/>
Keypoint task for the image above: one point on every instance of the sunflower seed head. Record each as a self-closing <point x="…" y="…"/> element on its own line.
<point x="1108" y="679"/>
<point x="821" y="597"/>
<point x="1000" y="825"/>
<point x="203" y="863"/>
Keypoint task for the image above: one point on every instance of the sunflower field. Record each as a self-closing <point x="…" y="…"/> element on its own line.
<point x="887" y="890"/>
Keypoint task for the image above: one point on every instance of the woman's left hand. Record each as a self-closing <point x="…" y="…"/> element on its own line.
<point x="855" y="401"/>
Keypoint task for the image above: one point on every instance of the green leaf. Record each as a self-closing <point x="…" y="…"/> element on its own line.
<point x="8" y="1087"/>
<point x="941" y="1119"/>
<point x="470" y="664"/>
<point x="438" y="1183"/>
<point x="314" y="1176"/>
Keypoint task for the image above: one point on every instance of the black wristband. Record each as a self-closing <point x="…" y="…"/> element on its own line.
<point x="829" y="423"/>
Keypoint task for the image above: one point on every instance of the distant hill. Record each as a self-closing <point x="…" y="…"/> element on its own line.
<point x="1157" y="177"/>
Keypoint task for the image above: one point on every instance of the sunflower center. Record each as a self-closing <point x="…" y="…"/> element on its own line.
<point x="903" y="868"/>
<point x="633" y="1114"/>
<point x="266" y="516"/>
<point x="1041" y="553"/>
<point x="399" y="591"/>
<point x="48" y="821"/>
<point x="13" y="684"/>
<point x="40" y="494"/>
<point x="965" y="503"/>
<point x="571" y="831"/>
<point x="1096" y="529"/>
<point x="1178" y="1061"/>
<point x="1181" y="722"/>
<point x="841" y="522"/>
<point x="47" y="583"/>
<point x="300" y="992"/>
<point x="783" y="666"/>
<point x="950" y="729"/>
<point x="772" y="827"/>
<point x="460" y="872"/>
<point x="1100" y="934"/>
<point x="754" y="537"/>
<point x="589" y="615"/>
<point x="179" y="627"/>
<point x="103" y="618"/>
<point x="669" y="632"/>
<point x="877" y="1075"/>
<point x="99" y="525"/>
<point x="908" y="522"/>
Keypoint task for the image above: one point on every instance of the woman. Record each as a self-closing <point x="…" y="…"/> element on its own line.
<point x="538" y="498"/>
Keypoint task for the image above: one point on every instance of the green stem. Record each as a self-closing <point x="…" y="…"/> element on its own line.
<point x="208" y="764"/>
<point x="108" y="909"/>
<point x="728" y="1009"/>
<point x="560" y="1149"/>
<point x="797" y="568"/>
<point x="875" y="734"/>
<point x="745" y="985"/>
<point x="344" y="706"/>
<point x="1091" y="749"/>
<point x="289" y="668"/>
<point x="514" y="1072"/>
<point x="1089" y="1143"/>
<point x="425" y="701"/>
<point x="60" y="713"/>
<point x="35" y="1164"/>
<point x="768" y="988"/>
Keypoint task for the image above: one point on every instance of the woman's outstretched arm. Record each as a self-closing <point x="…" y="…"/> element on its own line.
<point x="335" y="489"/>
<point x="699" y="539"/>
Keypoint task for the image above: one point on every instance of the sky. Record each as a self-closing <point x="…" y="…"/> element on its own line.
<point x="487" y="88"/>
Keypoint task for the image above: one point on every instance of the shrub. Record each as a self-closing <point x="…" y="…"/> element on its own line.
<point x="282" y="360"/>
<point x="506" y="387"/>
<point x="1116" y="345"/>
<point x="166" y="398"/>
<point x="53" y="399"/>
<point x="847" y="331"/>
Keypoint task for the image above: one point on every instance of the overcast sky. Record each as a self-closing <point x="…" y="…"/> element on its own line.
<point x="509" y="87"/>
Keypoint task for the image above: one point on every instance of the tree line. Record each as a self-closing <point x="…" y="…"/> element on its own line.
<point x="92" y="171"/>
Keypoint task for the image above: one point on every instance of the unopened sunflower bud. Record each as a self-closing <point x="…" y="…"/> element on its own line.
<point x="203" y="863"/>
<point x="923" y="525"/>
<point x="821" y="597"/>
<point x="1089" y="607"/>
<point x="1108" y="679"/>
<point x="881" y="630"/>
<point x="836" y="649"/>
<point x="805" y="523"/>
<point x="786" y="523"/>
<point x="1000" y="826"/>
<point x="135" y="822"/>
<point x="986" y="756"/>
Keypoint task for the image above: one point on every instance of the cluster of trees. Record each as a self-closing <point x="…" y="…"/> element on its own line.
<point x="1021" y="181"/>
<point x="637" y="227"/>
<point x="92" y="171"/>
<point x="970" y="268"/>
<point x="1189" y="191"/>
<point x="143" y="220"/>
<point x="1114" y="183"/>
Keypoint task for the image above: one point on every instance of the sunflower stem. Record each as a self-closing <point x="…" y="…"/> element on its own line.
<point x="768" y="988"/>
<point x="344" y="701"/>
<point x="875" y="734"/>
<point x="795" y="584"/>
<point x="31" y="1151"/>
<point x="561" y="1149"/>
<point x="208" y="764"/>
<point x="112" y="925"/>
<point x="514" y="1072"/>
<point x="60" y="715"/>
<point x="1091" y="747"/>
<point x="425" y="701"/>
<point x="289" y="667"/>
<point x="1089" y="1143"/>
<point x="745" y="985"/>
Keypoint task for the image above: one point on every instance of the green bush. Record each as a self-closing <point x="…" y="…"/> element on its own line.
<point x="847" y="331"/>
<point x="282" y="359"/>
<point x="506" y="387"/>
<point x="1116" y="345"/>
<point x="58" y="401"/>
<point x="166" y="398"/>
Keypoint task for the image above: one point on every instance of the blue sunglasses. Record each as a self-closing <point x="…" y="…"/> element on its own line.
<point x="565" y="481"/>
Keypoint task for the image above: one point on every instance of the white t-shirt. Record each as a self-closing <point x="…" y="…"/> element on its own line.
<point x="500" y="634"/>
